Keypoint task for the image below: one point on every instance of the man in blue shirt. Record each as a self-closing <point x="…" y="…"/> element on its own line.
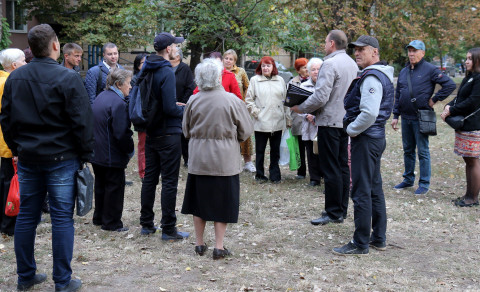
<point x="424" y="77"/>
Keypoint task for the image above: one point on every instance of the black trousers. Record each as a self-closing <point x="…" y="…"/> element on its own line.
<point x="314" y="169"/>
<point x="184" y="149"/>
<point x="261" y="139"/>
<point x="301" y="146"/>
<point x="333" y="155"/>
<point x="109" y="196"/>
<point x="367" y="193"/>
<point x="7" y="223"/>
<point x="162" y="156"/>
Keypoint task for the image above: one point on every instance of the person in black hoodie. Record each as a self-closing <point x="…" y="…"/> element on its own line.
<point x="162" y="147"/>
<point x="113" y="149"/>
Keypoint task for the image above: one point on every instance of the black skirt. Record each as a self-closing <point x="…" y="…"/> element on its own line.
<point x="212" y="198"/>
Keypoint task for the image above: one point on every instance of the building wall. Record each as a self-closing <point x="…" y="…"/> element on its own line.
<point x="19" y="39"/>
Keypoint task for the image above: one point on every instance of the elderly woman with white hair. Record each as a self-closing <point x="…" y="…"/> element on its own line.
<point x="216" y="122"/>
<point x="10" y="59"/>
<point x="309" y="130"/>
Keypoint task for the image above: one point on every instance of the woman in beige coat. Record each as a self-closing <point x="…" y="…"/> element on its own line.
<point x="265" y="97"/>
<point x="216" y="122"/>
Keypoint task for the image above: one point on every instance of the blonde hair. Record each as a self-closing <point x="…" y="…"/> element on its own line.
<point x="231" y="52"/>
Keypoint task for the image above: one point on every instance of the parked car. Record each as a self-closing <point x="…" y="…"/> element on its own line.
<point x="250" y="67"/>
<point x="446" y="68"/>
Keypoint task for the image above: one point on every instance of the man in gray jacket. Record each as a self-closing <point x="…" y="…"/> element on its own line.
<point x="336" y="74"/>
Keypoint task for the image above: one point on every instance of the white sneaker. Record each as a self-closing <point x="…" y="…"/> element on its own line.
<point x="250" y="167"/>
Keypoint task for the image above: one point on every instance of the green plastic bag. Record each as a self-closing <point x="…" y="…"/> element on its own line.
<point x="294" y="150"/>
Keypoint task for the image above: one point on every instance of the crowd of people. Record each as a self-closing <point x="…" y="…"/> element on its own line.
<point x="52" y="122"/>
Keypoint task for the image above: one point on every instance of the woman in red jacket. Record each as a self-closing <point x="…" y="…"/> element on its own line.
<point x="229" y="82"/>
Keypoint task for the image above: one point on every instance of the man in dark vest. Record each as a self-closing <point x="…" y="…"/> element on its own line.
<point x="368" y="105"/>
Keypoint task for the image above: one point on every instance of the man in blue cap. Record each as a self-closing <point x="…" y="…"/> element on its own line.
<point x="162" y="146"/>
<point x="423" y="78"/>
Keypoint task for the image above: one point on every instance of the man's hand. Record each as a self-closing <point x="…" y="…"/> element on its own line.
<point x="295" y="109"/>
<point x="431" y="103"/>
<point x="394" y="124"/>
<point x="180" y="103"/>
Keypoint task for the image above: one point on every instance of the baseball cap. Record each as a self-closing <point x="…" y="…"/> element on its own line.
<point x="417" y="44"/>
<point x="164" y="39"/>
<point x="365" y="40"/>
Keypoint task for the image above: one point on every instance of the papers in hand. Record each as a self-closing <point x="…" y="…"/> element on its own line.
<point x="296" y="95"/>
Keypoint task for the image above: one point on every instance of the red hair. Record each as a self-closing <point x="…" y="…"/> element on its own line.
<point x="300" y="62"/>
<point x="266" y="60"/>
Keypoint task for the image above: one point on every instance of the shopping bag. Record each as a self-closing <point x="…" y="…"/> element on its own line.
<point x="84" y="194"/>
<point x="12" y="207"/>
<point x="293" y="149"/>
<point x="284" y="153"/>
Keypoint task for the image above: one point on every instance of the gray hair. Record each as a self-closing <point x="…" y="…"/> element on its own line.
<point x="207" y="74"/>
<point x="180" y="53"/>
<point x="339" y="37"/>
<point x="312" y="62"/>
<point x="9" y="56"/>
<point x="117" y="75"/>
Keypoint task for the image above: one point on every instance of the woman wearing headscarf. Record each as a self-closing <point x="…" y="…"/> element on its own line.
<point x="216" y="122"/>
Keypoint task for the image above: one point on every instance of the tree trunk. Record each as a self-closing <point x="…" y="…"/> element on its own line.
<point x="196" y="54"/>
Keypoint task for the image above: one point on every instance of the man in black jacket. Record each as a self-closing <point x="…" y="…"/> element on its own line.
<point x="185" y="86"/>
<point x="408" y="100"/>
<point x="162" y="146"/>
<point x="47" y="122"/>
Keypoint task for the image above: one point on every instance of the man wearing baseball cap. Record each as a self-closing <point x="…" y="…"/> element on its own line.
<point x="368" y="105"/>
<point x="162" y="145"/>
<point x="423" y="78"/>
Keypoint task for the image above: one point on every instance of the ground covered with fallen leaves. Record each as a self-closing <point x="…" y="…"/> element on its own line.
<point x="431" y="244"/>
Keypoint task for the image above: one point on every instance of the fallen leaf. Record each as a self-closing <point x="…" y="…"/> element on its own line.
<point x="187" y="269"/>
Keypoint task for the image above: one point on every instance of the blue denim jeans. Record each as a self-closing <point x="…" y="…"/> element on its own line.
<point x="411" y="139"/>
<point x="36" y="180"/>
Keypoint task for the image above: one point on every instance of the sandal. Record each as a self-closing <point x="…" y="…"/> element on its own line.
<point x="458" y="199"/>
<point x="461" y="203"/>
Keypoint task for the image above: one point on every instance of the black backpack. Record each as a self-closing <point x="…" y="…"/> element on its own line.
<point x="142" y="106"/>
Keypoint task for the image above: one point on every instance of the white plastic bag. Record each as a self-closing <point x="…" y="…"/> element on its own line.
<point x="284" y="153"/>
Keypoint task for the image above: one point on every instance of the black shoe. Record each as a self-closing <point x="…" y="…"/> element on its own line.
<point x="350" y="249"/>
<point x="201" y="249"/>
<point x="120" y="229"/>
<point x="220" y="253"/>
<point x="37" y="279"/>
<point x="176" y="235"/>
<point x="299" y="176"/>
<point x="314" y="183"/>
<point x="378" y="245"/>
<point x="324" y="213"/>
<point x="261" y="178"/>
<point x="325" y="220"/>
<point x="275" y="182"/>
<point x="129" y="183"/>
<point x="73" y="286"/>
<point x="150" y="230"/>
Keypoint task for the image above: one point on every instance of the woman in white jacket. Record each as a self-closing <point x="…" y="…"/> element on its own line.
<point x="265" y="97"/>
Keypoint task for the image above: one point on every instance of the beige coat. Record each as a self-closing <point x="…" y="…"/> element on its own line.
<point x="264" y="100"/>
<point x="216" y="122"/>
<point x="337" y="72"/>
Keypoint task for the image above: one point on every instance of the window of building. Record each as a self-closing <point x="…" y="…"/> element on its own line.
<point x="16" y="16"/>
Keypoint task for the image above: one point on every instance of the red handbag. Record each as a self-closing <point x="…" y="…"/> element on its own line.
<point x="13" y="200"/>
